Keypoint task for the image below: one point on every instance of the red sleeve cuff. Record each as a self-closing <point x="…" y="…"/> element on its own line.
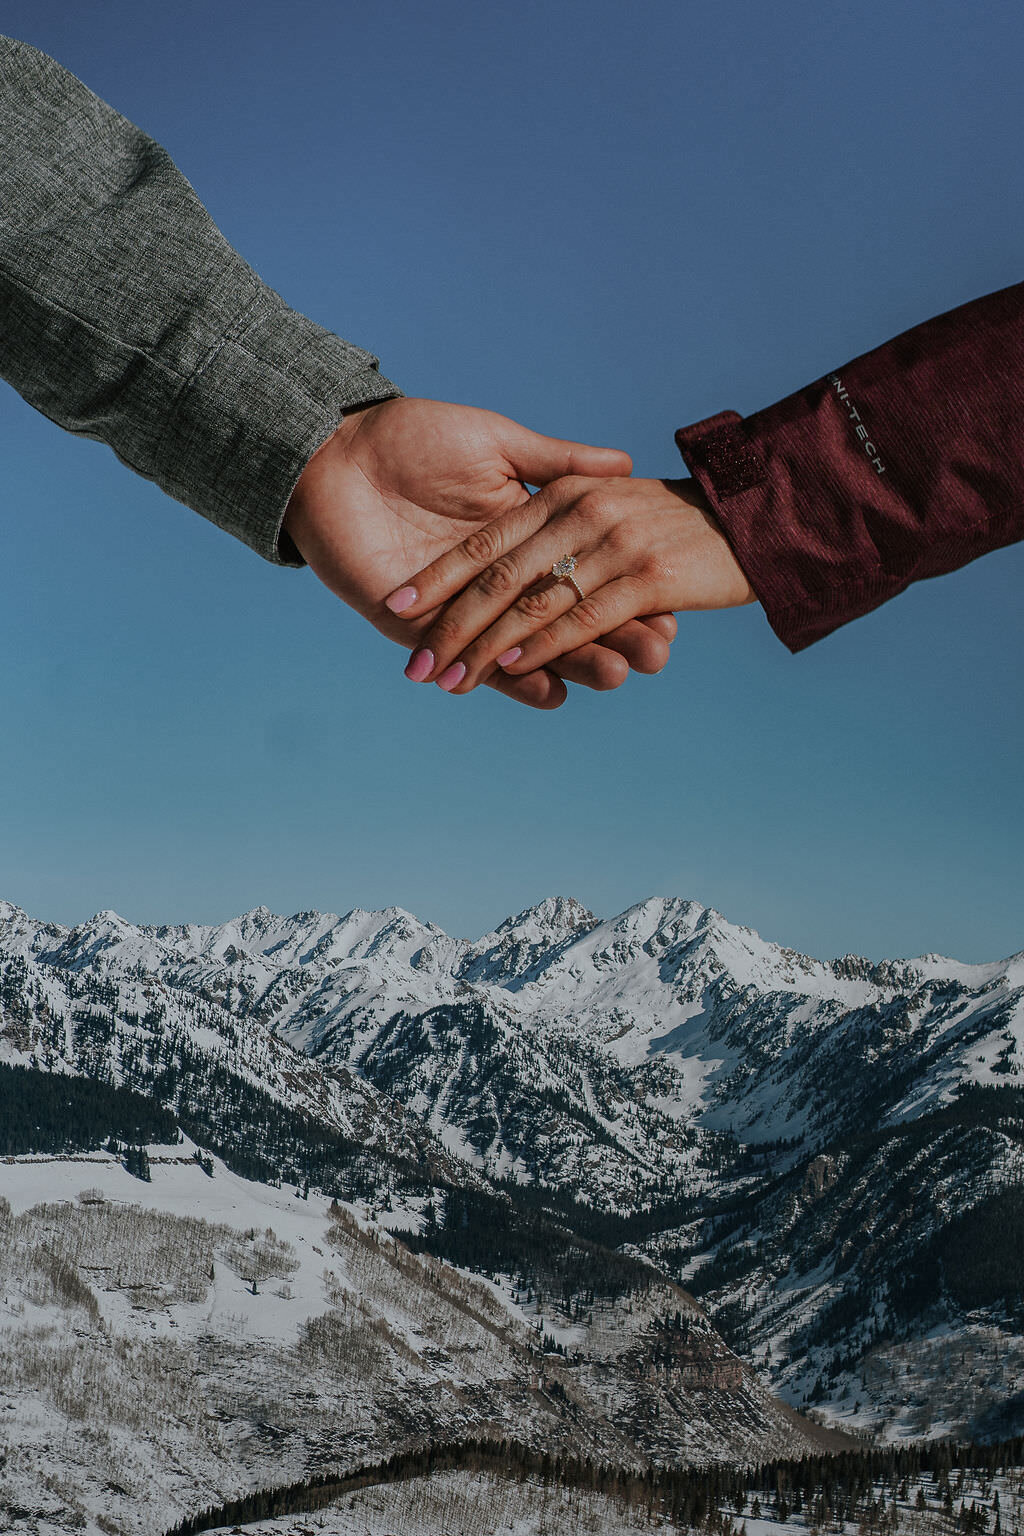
<point x="786" y="564"/>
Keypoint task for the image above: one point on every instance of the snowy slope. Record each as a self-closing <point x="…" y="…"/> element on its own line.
<point x="166" y="1346"/>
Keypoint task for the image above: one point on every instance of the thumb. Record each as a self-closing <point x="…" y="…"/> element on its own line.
<point x="536" y="460"/>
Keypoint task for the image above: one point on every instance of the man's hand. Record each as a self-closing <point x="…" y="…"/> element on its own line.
<point x="402" y="482"/>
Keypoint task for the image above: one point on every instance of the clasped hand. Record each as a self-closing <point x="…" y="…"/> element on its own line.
<point x="441" y="490"/>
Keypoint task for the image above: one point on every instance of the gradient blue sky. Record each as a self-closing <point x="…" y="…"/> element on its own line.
<point x="607" y="220"/>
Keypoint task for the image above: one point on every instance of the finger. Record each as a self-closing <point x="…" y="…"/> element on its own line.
<point x="537" y="460"/>
<point x="446" y="576"/>
<point x="642" y="645"/>
<point x="518" y="593"/>
<point x="643" y="648"/>
<point x="459" y="667"/>
<point x="593" y="666"/>
<point x="608" y="608"/>
<point x="664" y="624"/>
<point x="515" y="595"/>
<point x="543" y="689"/>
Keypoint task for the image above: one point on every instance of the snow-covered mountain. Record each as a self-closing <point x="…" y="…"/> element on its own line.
<point x="648" y="1026"/>
<point x="799" y="1141"/>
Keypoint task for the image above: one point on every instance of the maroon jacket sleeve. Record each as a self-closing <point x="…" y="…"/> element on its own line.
<point x="907" y="462"/>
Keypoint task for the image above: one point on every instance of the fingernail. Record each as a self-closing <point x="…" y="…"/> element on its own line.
<point x="421" y="664"/>
<point x="399" y="601"/>
<point x="508" y="657"/>
<point x="452" y="676"/>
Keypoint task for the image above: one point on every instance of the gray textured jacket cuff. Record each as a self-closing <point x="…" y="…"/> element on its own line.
<point x="126" y="316"/>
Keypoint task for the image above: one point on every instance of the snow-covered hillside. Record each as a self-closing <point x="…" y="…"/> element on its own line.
<point x="167" y="1345"/>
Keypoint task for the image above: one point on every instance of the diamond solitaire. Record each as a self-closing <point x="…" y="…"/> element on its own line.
<point x="563" y="569"/>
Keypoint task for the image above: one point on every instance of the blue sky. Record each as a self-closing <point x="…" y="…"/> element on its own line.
<point x="607" y="220"/>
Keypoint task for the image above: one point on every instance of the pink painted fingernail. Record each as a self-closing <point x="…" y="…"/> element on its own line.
<point x="452" y="676"/>
<point x="421" y="664"/>
<point x="399" y="601"/>
<point x="508" y="657"/>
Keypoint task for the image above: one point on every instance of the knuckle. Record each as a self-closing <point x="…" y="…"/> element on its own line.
<point x="595" y="506"/>
<point x="537" y="604"/>
<point x="500" y="578"/>
<point x="483" y="545"/>
<point x="573" y="487"/>
<point x="447" y="632"/>
<point x="546" y="643"/>
<point x="655" y="571"/>
<point x="587" y="614"/>
<point x="621" y="538"/>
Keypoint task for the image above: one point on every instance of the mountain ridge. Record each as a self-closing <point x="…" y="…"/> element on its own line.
<point x="642" y="1077"/>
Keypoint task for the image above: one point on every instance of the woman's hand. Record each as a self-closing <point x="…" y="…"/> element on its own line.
<point x="640" y="546"/>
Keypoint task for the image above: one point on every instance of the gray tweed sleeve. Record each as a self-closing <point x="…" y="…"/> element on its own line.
<point x="126" y="316"/>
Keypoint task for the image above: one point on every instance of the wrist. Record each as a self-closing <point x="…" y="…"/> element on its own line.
<point x="732" y="588"/>
<point x="307" y="491"/>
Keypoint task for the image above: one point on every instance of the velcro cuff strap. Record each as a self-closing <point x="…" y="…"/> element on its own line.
<point x="717" y="450"/>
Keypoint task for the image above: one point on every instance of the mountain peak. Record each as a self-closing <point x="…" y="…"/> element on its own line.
<point x="554" y="918"/>
<point x="513" y="950"/>
<point x="557" y="915"/>
<point x="257" y="917"/>
<point x="658" y="911"/>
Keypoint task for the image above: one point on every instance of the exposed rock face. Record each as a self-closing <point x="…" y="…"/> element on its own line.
<point x="820" y="1175"/>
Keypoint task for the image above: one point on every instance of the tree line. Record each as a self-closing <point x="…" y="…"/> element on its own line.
<point x="706" y="1498"/>
<point x="48" y="1112"/>
<point x="486" y="1232"/>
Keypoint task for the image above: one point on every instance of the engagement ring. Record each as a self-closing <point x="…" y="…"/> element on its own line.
<point x="563" y="570"/>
